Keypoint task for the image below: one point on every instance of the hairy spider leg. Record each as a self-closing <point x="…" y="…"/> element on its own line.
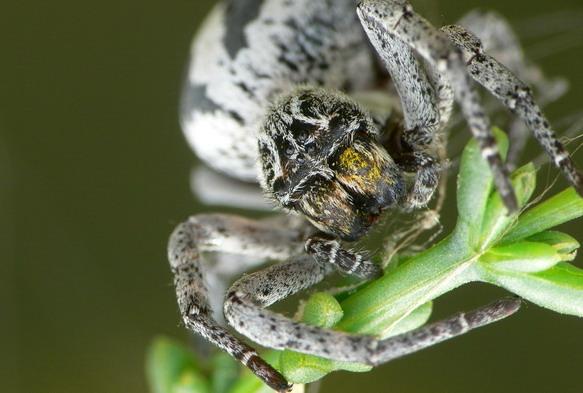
<point x="245" y="309"/>
<point x="422" y="111"/>
<point x="216" y="232"/>
<point x="443" y="92"/>
<point x="516" y="96"/>
<point x="396" y="17"/>
<point x="501" y="42"/>
<point x="275" y="238"/>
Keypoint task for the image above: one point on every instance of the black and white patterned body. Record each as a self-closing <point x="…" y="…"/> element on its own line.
<point x="249" y="52"/>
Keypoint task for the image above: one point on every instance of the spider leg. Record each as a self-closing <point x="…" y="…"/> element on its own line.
<point x="516" y="96"/>
<point x="501" y="42"/>
<point x="383" y="18"/>
<point x="207" y="233"/>
<point x="249" y="296"/>
<point x="417" y="95"/>
<point x="444" y="94"/>
<point x="426" y="168"/>
<point x="423" y="108"/>
<point x="215" y="189"/>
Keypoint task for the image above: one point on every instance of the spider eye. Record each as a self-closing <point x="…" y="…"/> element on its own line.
<point x="278" y="186"/>
<point x="362" y="130"/>
<point x="337" y="125"/>
<point x="287" y="149"/>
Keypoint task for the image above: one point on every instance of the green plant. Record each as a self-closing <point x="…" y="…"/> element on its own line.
<point x="518" y="252"/>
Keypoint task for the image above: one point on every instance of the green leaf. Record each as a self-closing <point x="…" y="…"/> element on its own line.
<point x="563" y="207"/>
<point x="322" y="310"/>
<point x="417" y="318"/>
<point x="248" y="383"/>
<point x="191" y="382"/>
<point x="170" y="366"/>
<point x="379" y="306"/>
<point x="565" y="244"/>
<point x="473" y="187"/>
<point x="526" y="257"/>
<point x="225" y="371"/>
<point x="559" y="288"/>
<point x="301" y="368"/>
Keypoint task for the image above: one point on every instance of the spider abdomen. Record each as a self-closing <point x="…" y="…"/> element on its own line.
<point x="248" y="53"/>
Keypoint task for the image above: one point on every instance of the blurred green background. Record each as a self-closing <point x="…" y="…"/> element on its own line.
<point x="94" y="176"/>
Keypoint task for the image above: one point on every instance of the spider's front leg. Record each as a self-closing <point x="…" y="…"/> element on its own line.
<point x="208" y="233"/>
<point x="516" y="96"/>
<point x="245" y="310"/>
<point x="425" y="106"/>
<point x="384" y="20"/>
<point x="450" y="52"/>
<point x="500" y="40"/>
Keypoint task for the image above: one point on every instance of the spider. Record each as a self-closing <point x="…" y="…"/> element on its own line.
<point x="291" y="94"/>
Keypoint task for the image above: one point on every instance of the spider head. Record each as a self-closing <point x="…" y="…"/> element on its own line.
<point x="320" y="158"/>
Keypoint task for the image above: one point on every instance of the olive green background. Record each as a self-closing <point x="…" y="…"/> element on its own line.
<point x="94" y="176"/>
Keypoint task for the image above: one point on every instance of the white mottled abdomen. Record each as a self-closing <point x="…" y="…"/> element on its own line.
<point x="247" y="53"/>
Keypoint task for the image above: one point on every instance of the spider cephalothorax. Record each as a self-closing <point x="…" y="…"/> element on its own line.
<point x="271" y="97"/>
<point x="320" y="157"/>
